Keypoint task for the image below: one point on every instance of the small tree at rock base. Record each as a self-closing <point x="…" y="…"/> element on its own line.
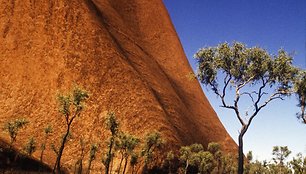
<point x="125" y="145"/>
<point x="92" y="156"/>
<point x="70" y="106"/>
<point x="13" y="128"/>
<point x="134" y="162"/>
<point x="189" y="155"/>
<point x="112" y="125"/>
<point x="255" y="76"/>
<point x="153" y="141"/>
<point x="30" y="147"/>
<point x="47" y="131"/>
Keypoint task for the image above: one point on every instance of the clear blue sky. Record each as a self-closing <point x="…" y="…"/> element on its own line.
<point x="271" y="24"/>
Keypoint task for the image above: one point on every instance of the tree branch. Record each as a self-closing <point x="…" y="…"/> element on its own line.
<point x="245" y="83"/>
<point x="274" y="96"/>
<point x="260" y="93"/>
<point x="250" y="95"/>
<point x="226" y="82"/>
<point x="236" y="108"/>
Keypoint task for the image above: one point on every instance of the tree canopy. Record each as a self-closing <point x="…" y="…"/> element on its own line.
<point x="256" y="76"/>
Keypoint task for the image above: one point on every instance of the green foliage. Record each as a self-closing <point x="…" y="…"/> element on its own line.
<point x="229" y="164"/>
<point x="30" y="147"/>
<point x="278" y="167"/>
<point x="244" y="65"/>
<point x="253" y="73"/>
<point x="70" y="105"/>
<point x="195" y="158"/>
<point x="125" y="144"/>
<point x="76" y="99"/>
<point x="249" y="156"/>
<point x="170" y="155"/>
<point x="300" y="89"/>
<point x="188" y="155"/>
<point x="92" y="156"/>
<point x="204" y="161"/>
<point x="48" y="130"/>
<point x="298" y="164"/>
<point x="134" y="161"/>
<point x="54" y="149"/>
<point x="258" y="167"/>
<point x="152" y="141"/>
<point x="93" y="151"/>
<point x="13" y="127"/>
<point x="280" y="154"/>
<point x="112" y="125"/>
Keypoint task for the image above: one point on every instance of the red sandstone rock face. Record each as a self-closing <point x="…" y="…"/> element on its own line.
<point x="126" y="53"/>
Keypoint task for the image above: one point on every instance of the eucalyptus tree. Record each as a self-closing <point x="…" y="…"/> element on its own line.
<point x="92" y="156"/>
<point x="30" y="147"/>
<point x="133" y="162"/>
<point x="13" y="127"/>
<point x="298" y="164"/>
<point x="152" y="142"/>
<point x="125" y="144"/>
<point x="47" y="130"/>
<point x="280" y="153"/>
<point x="112" y="124"/>
<point x="256" y="77"/>
<point x="189" y="155"/>
<point x="71" y="106"/>
<point x="215" y="150"/>
<point x="300" y="89"/>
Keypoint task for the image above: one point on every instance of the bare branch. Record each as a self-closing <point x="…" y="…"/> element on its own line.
<point x="248" y="94"/>
<point x="260" y="93"/>
<point x="236" y="107"/>
<point x="241" y="85"/>
<point x="67" y="118"/>
<point x="274" y="96"/>
<point x="226" y="82"/>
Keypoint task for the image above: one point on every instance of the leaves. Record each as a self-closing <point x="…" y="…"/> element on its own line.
<point x="77" y="98"/>
<point x="126" y="143"/>
<point x="13" y="127"/>
<point x="280" y="154"/>
<point x="244" y="64"/>
<point x="112" y="123"/>
<point x="93" y="151"/>
<point x="151" y="142"/>
<point x="30" y="147"/>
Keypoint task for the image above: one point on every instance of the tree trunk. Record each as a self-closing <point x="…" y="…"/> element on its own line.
<point x="109" y="160"/>
<point x="125" y="165"/>
<point x="186" y="167"/>
<point x="240" y="150"/>
<point x="89" y="166"/>
<point x="41" y="155"/>
<point x="120" y="164"/>
<point x="57" y="167"/>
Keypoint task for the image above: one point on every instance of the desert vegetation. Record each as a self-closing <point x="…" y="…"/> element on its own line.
<point x="126" y="153"/>
<point x="256" y="77"/>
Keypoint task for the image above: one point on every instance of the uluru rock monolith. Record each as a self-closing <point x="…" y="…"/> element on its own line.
<point x="125" y="53"/>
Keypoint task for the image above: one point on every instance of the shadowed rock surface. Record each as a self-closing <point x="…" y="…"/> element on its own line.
<point x="125" y="53"/>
